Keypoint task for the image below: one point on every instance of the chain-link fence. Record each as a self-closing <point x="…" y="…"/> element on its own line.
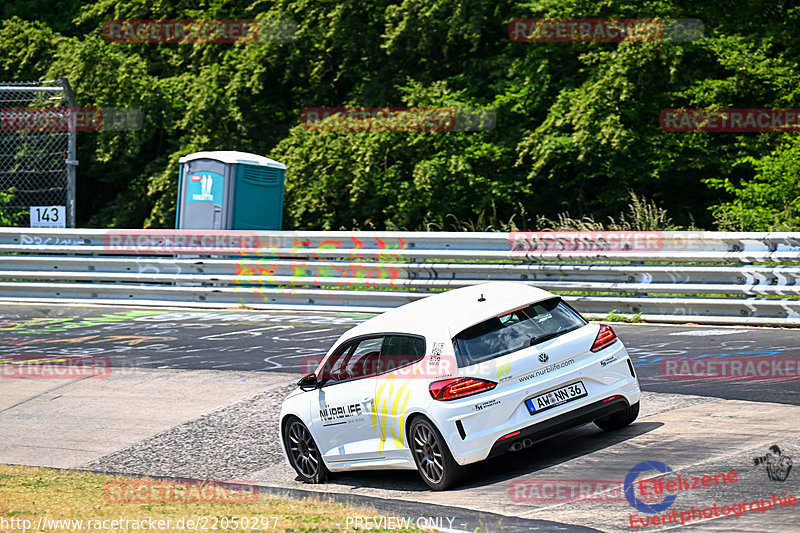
<point x="37" y="162"/>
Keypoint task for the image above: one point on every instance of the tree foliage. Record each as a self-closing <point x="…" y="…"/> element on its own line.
<point x="8" y="217"/>
<point x="770" y="200"/>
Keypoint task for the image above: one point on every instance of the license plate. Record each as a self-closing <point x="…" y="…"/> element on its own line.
<point x="557" y="397"/>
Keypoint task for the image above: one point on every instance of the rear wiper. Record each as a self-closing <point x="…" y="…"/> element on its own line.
<point x="537" y="340"/>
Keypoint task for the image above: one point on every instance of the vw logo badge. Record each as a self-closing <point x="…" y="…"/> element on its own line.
<point x="543" y="357"/>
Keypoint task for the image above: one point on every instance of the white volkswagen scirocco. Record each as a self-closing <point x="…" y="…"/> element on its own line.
<point x="454" y="379"/>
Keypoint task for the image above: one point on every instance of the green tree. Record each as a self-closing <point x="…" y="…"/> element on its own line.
<point x="770" y="200"/>
<point x="8" y="217"/>
<point x="577" y="123"/>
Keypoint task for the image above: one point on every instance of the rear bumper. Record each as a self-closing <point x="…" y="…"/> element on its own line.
<point x="561" y="423"/>
<point x="472" y="427"/>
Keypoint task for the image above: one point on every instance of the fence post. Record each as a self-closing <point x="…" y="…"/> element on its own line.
<point x="72" y="158"/>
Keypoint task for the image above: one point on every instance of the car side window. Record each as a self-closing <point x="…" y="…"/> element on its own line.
<point x="401" y="350"/>
<point x="363" y="361"/>
<point x="331" y="366"/>
<point x="371" y="356"/>
<point x="353" y="360"/>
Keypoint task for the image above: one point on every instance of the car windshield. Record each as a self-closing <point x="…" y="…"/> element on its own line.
<point x="515" y="330"/>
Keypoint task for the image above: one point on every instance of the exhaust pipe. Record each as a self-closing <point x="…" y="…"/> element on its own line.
<point x="527" y="443"/>
<point x="517" y="446"/>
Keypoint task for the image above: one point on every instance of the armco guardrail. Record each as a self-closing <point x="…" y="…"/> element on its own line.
<point x="704" y="277"/>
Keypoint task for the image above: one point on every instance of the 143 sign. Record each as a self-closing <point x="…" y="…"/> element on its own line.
<point x="48" y="216"/>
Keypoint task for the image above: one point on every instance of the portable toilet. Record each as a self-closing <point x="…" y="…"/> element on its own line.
<point x="229" y="190"/>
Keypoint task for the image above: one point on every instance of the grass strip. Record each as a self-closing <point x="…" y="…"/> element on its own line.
<point x="30" y="494"/>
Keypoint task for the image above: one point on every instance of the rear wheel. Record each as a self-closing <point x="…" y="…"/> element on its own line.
<point x="618" y="420"/>
<point x="303" y="452"/>
<point x="435" y="463"/>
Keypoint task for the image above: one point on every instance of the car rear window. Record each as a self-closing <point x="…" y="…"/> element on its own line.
<point x="515" y="330"/>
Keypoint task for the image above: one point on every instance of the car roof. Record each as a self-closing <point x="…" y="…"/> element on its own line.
<point x="448" y="313"/>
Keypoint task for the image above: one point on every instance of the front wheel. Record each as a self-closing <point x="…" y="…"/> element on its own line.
<point x="303" y="452"/>
<point x="436" y="465"/>
<point x="618" y="420"/>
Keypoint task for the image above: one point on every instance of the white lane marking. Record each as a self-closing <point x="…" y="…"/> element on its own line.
<point x="309" y="331"/>
<point x="255" y="332"/>
<point x="708" y="332"/>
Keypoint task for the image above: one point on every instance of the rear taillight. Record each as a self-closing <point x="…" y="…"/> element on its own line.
<point x="605" y="337"/>
<point x="454" y="388"/>
<point x="509" y="435"/>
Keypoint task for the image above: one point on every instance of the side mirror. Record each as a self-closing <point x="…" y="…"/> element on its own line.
<point x="308" y="382"/>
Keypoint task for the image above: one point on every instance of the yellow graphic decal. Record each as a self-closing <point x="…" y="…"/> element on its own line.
<point x="389" y="410"/>
<point x="503" y="370"/>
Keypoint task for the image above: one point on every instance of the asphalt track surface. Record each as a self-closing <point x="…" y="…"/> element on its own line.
<point x="285" y="342"/>
<point x="207" y="382"/>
